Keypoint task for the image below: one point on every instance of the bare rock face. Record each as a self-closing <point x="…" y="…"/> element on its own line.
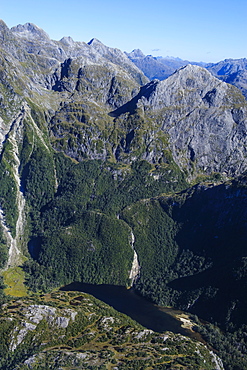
<point x="34" y="314"/>
<point x="66" y="65"/>
<point x="184" y="89"/>
<point x="203" y="117"/>
<point x="30" y="31"/>
<point x="151" y="67"/>
<point x="78" y="345"/>
<point x="158" y="67"/>
<point x="119" y="58"/>
<point x="210" y="132"/>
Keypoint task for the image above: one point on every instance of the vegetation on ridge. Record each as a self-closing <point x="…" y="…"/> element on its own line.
<point x="75" y="330"/>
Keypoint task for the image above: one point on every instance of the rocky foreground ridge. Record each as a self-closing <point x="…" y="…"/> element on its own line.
<point x="65" y="330"/>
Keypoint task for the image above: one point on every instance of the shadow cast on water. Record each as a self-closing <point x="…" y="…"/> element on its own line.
<point x="128" y="302"/>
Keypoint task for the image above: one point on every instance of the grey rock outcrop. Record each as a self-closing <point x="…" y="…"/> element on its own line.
<point x="30" y="31"/>
<point x="232" y="71"/>
<point x="79" y="345"/>
<point x="227" y="66"/>
<point x="36" y="41"/>
<point x="34" y="314"/>
<point x="203" y="119"/>
<point x="119" y="58"/>
<point x="210" y="132"/>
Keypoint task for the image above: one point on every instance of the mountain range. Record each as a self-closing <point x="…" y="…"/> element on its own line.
<point x="158" y="67"/>
<point x="124" y="169"/>
<point x="232" y="71"/>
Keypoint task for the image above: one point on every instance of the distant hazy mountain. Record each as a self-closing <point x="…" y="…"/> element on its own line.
<point x="233" y="71"/>
<point x="150" y="66"/>
<point x="157" y="67"/>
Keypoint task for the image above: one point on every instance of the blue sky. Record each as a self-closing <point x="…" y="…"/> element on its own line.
<point x="208" y="31"/>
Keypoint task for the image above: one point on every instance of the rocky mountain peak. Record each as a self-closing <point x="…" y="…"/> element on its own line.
<point x="187" y="86"/>
<point x="233" y="71"/>
<point x="228" y="66"/>
<point x="196" y="70"/>
<point x="94" y="41"/>
<point x="93" y="157"/>
<point x="30" y="31"/>
<point x="117" y="57"/>
<point x="5" y="33"/>
<point x="68" y="41"/>
<point x="203" y="117"/>
<point x="100" y="47"/>
<point x="153" y="67"/>
<point x="3" y="25"/>
<point x="136" y="53"/>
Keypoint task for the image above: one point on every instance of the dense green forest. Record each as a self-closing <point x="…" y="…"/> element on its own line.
<point x="75" y="227"/>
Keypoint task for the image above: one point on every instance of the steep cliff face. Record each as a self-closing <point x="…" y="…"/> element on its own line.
<point x="37" y="75"/>
<point x="200" y="119"/>
<point x="33" y="41"/>
<point x="151" y="67"/>
<point x="210" y="132"/>
<point x="232" y="71"/>
<point x="22" y="139"/>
